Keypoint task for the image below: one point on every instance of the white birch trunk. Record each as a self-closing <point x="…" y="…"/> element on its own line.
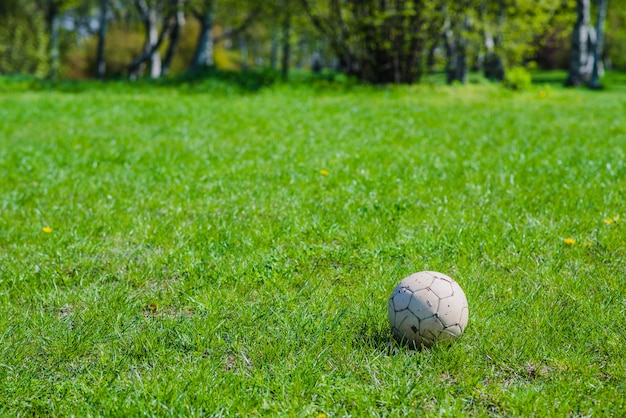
<point x="583" y="45"/>
<point x="153" y="38"/>
<point x="598" y="69"/>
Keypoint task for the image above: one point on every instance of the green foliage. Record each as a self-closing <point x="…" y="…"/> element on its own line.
<point x="616" y="36"/>
<point x="246" y="81"/>
<point x="186" y="46"/>
<point x="176" y="254"/>
<point x="122" y="44"/>
<point x="23" y="40"/>
<point x="553" y="52"/>
<point x="378" y="42"/>
<point x="529" y="25"/>
<point x="522" y="27"/>
<point x="517" y="78"/>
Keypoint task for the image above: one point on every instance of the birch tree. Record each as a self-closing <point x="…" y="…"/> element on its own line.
<point x="583" y="44"/>
<point x="456" y="42"/>
<point x="597" y="68"/>
<point x="236" y="16"/>
<point x="150" y="14"/>
<point x="177" y="22"/>
<point x="204" y="12"/>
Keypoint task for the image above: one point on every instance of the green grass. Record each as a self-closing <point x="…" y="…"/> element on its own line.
<point x="200" y="264"/>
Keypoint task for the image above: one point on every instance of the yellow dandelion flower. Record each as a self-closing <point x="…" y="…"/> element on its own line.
<point x="569" y="241"/>
<point x="322" y="415"/>
<point x="47" y="229"/>
<point x="542" y="94"/>
<point x="608" y="221"/>
<point x="324" y="172"/>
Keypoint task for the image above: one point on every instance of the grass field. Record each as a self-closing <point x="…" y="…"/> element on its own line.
<point x="171" y="252"/>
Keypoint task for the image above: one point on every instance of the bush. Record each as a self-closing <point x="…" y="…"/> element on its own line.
<point x="23" y="41"/>
<point x="210" y="77"/>
<point x="517" y="78"/>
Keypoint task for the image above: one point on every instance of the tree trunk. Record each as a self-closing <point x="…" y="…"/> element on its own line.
<point x="203" y="55"/>
<point x="53" y="22"/>
<point x="303" y="54"/>
<point x="153" y="37"/>
<point x="583" y="44"/>
<point x="274" y="49"/>
<point x="598" y="69"/>
<point x="456" y="51"/>
<point x="102" y="33"/>
<point x="493" y="66"/>
<point x="316" y="62"/>
<point x="243" y="51"/>
<point x="177" y="28"/>
<point x="151" y="45"/>
<point x="286" y="47"/>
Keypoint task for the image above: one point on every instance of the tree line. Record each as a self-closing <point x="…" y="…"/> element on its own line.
<point x="375" y="41"/>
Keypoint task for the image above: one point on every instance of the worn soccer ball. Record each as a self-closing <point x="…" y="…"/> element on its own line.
<point x="427" y="307"/>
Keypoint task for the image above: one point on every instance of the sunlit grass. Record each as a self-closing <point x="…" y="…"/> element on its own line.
<point x="170" y="252"/>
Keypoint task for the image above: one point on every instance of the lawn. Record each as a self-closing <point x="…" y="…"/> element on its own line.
<point x="177" y="252"/>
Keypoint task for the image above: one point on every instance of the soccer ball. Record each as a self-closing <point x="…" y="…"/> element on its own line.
<point x="427" y="307"/>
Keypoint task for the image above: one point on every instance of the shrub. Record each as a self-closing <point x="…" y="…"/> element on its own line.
<point x="517" y="78"/>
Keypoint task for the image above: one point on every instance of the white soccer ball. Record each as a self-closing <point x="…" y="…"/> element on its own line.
<point x="427" y="307"/>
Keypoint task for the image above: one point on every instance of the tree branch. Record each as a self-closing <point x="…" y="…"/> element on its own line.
<point x="142" y="7"/>
<point x="242" y="27"/>
<point x="168" y="26"/>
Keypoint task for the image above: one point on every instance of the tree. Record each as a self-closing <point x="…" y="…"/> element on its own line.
<point x="150" y="14"/>
<point x="278" y="25"/>
<point x="177" y="20"/>
<point x="456" y="25"/>
<point x="597" y="67"/>
<point x="102" y="33"/>
<point x="493" y="65"/>
<point x="23" y="39"/>
<point x="280" y="15"/>
<point x="583" y="44"/>
<point x="286" y="44"/>
<point x="204" y="11"/>
<point x="513" y="30"/>
<point x="378" y="42"/>
<point x="236" y="15"/>
<point x="52" y="10"/>
<point x="615" y="41"/>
